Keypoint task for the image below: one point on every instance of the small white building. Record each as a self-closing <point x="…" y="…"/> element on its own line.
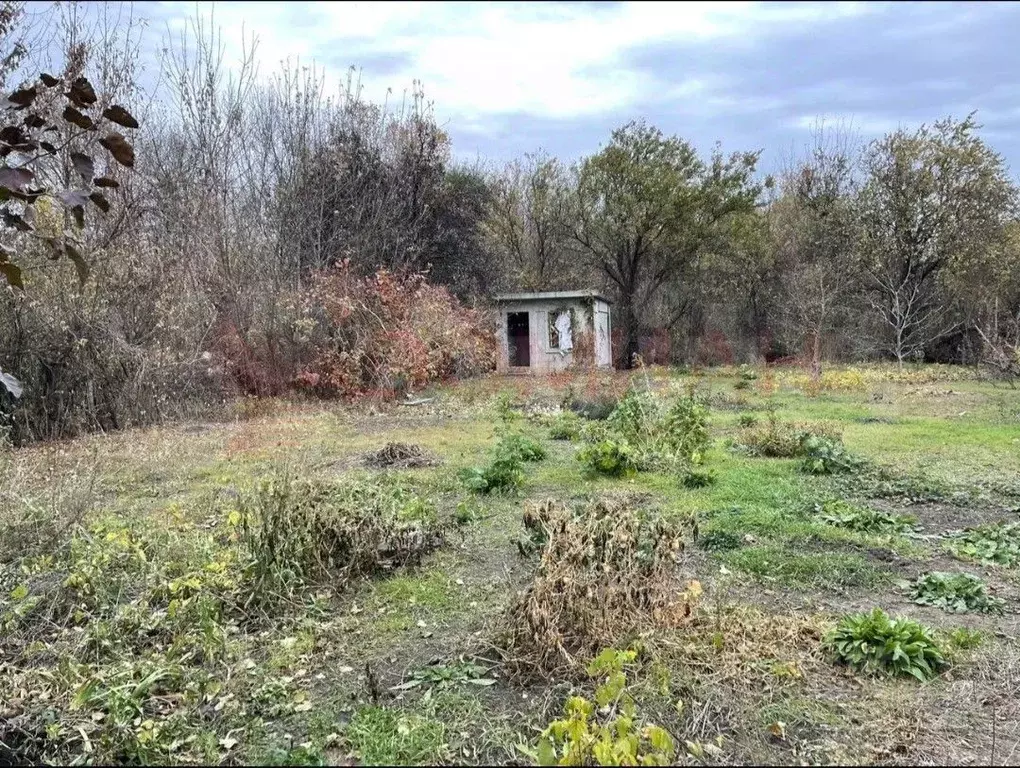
<point x="546" y="332"/>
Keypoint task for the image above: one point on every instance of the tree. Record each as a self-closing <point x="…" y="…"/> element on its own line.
<point x="930" y="197"/>
<point x="527" y="223"/>
<point x="817" y="233"/>
<point x="644" y="208"/>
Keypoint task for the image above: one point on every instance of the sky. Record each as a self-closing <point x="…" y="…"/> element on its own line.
<point x="510" y="78"/>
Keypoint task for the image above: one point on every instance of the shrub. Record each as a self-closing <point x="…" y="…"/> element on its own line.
<point x="565" y="426"/>
<point x="782" y="439"/>
<point x="607" y="569"/>
<point x="742" y="384"/>
<point x="862" y="519"/>
<point x="615" y="458"/>
<point x="389" y="333"/>
<point x="685" y="427"/>
<point x="955" y="593"/>
<point x="298" y="532"/>
<point x="747" y="420"/>
<point x="635" y="415"/>
<point x="524" y="448"/>
<point x="997" y="543"/>
<point x="825" y="456"/>
<point x="506" y="470"/>
<point x="504" y="473"/>
<point x="874" y="643"/>
<point x="607" y="731"/>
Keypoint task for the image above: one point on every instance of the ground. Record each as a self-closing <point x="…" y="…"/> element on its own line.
<point x="111" y="542"/>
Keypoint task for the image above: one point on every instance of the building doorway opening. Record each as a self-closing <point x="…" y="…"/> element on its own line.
<point x="518" y="339"/>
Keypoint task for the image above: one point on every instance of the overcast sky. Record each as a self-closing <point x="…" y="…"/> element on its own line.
<point x="509" y="78"/>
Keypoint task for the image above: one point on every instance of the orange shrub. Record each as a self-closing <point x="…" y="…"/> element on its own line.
<point x="389" y="333"/>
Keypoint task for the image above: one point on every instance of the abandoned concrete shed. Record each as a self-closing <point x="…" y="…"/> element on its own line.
<point x="546" y="332"/>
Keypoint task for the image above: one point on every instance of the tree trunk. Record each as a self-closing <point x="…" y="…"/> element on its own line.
<point x="816" y="356"/>
<point x="629" y="330"/>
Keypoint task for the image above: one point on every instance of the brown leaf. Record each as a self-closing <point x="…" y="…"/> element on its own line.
<point x="13" y="135"/>
<point x="34" y="121"/>
<point x="121" y="150"/>
<point x="72" y="115"/>
<point x="84" y="165"/>
<point x="23" y="97"/>
<point x="106" y="181"/>
<point x="48" y="147"/>
<point x="81" y="92"/>
<point x="49" y="80"/>
<point x="101" y="202"/>
<point x="78" y="213"/>
<point x="15" y="178"/>
<point x="120" y="116"/>
<point x="13" y="274"/>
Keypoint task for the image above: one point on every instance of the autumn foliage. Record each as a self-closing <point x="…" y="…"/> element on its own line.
<point x="388" y="333"/>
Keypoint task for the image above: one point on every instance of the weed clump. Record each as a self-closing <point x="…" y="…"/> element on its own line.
<point x="875" y="643"/>
<point x="298" y="532"/>
<point x="955" y="593"/>
<point x="818" y="444"/>
<point x="505" y="473"/>
<point x="606" y="571"/>
<point x="565" y="426"/>
<point x="997" y="543"/>
<point x="842" y="514"/>
<point x="400" y="455"/>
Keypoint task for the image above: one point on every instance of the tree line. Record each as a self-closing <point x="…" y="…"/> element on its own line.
<point x="155" y="262"/>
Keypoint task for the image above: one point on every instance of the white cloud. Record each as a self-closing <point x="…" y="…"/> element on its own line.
<point x="481" y="61"/>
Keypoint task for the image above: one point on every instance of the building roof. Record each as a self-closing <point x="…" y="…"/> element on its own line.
<point x="547" y="295"/>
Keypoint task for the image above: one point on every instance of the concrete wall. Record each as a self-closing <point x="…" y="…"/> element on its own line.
<point x="544" y="359"/>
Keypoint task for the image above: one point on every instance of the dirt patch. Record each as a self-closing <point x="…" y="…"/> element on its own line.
<point x="400" y="456"/>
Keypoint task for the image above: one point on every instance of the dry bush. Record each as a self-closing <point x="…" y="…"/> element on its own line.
<point x="607" y="571"/>
<point x="299" y="532"/>
<point x="406" y="455"/>
<point x="391" y="332"/>
<point x="782" y="439"/>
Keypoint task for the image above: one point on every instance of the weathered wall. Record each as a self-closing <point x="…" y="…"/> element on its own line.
<point x="544" y="359"/>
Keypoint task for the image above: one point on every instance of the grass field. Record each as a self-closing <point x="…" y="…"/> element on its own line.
<point x="131" y="629"/>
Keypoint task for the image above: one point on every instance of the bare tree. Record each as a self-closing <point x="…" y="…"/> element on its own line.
<point x="528" y="223"/>
<point x="817" y="233"/>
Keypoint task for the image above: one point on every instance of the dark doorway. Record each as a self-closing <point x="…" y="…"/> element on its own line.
<point x="518" y="339"/>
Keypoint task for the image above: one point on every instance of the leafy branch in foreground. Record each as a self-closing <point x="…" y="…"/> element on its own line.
<point x="38" y="146"/>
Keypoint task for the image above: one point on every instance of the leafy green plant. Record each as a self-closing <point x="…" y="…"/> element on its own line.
<point x="955" y="593"/>
<point x="825" y="456"/>
<point x="383" y="736"/>
<point x="684" y="427"/>
<point x="635" y="415"/>
<point x="842" y="514"/>
<point x="504" y="473"/>
<point x="875" y="643"/>
<point x="997" y="543"/>
<point x="615" y="458"/>
<point x="506" y="407"/>
<point x="515" y="444"/>
<point x="444" y="676"/>
<point x="608" y="730"/>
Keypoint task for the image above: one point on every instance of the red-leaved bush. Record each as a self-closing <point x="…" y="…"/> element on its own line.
<point x="388" y="333"/>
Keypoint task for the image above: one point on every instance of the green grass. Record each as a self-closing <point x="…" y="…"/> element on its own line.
<point x="778" y="564"/>
<point x="382" y="736"/>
